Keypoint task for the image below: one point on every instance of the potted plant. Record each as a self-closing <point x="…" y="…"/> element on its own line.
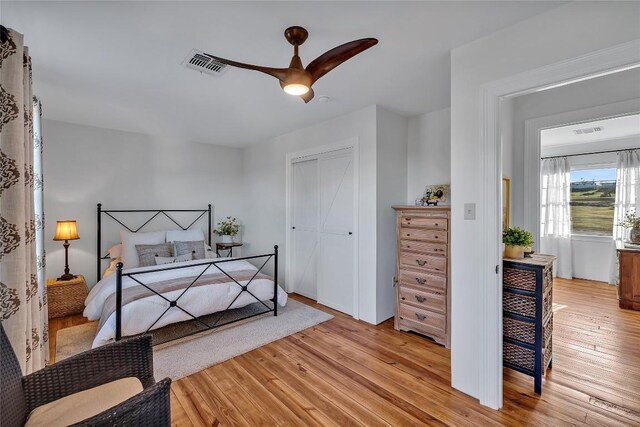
<point x="228" y="229"/>
<point x="632" y="221"/>
<point x="516" y="240"/>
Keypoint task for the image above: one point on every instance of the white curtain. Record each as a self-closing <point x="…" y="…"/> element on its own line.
<point x="627" y="199"/>
<point x="23" y="299"/>
<point x="555" y="217"/>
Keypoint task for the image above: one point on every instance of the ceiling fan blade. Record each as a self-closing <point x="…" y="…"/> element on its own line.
<point x="278" y="73"/>
<point x="307" y="96"/>
<point x="336" y="56"/>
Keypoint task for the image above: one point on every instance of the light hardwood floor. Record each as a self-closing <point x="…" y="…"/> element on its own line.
<point x="344" y="372"/>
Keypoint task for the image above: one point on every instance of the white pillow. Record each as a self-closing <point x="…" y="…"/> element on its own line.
<point x="130" y="240"/>
<point x="115" y="251"/>
<point x="185" y="235"/>
<point x="208" y="252"/>
<point x="161" y="260"/>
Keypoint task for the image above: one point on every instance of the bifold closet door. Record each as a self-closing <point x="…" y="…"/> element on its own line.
<point x="336" y="232"/>
<point x="305" y="218"/>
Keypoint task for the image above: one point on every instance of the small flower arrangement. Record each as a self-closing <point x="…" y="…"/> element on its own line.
<point x="227" y="227"/>
<point x="516" y="236"/>
<point x="630" y="220"/>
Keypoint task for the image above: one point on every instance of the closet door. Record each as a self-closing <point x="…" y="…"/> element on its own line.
<point x="336" y="254"/>
<point x="305" y="227"/>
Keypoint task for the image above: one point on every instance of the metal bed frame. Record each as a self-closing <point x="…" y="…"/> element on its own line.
<point x="206" y="264"/>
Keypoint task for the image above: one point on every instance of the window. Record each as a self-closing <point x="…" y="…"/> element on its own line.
<point x="593" y="193"/>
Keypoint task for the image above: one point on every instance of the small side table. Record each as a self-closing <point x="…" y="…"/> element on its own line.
<point x="66" y="297"/>
<point x="226" y="247"/>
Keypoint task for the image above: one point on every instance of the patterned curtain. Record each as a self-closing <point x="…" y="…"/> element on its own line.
<point x="23" y="300"/>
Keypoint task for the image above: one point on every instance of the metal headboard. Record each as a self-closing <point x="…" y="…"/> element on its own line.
<point x="154" y="213"/>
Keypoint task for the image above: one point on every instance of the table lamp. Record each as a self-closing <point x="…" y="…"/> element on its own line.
<point x="66" y="230"/>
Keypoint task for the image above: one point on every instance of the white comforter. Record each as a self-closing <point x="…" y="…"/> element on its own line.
<point x="139" y="315"/>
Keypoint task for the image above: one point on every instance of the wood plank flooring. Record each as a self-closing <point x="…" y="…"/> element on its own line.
<point x="344" y="372"/>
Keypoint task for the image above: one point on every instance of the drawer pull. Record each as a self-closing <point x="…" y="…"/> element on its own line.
<point x="421" y="262"/>
<point x="420" y="299"/>
<point x="421" y="317"/>
<point x="421" y="280"/>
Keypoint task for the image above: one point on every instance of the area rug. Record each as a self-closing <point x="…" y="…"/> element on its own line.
<point x="185" y="356"/>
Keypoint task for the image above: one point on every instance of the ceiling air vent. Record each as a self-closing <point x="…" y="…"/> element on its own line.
<point x="197" y="60"/>
<point x="586" y="131"/>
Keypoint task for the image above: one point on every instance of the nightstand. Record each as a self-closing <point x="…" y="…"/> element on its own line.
<point x="226" y="247"/>
<point x="66" y="297"/>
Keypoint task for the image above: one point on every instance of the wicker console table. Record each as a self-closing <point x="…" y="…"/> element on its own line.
<point x="527" y="300"/>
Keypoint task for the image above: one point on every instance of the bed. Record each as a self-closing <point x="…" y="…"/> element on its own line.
<point x="135" y="299"/>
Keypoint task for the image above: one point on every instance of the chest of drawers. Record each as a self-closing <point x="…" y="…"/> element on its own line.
<point x="422" y="271"/>
<point x="527" y="303"/>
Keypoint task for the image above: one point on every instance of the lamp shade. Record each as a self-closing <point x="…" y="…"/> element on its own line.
<point x="66" y="230"/>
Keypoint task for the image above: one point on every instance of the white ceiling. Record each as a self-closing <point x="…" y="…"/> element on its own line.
<point x="610" y="129"/>
<point x="118" y="64"/>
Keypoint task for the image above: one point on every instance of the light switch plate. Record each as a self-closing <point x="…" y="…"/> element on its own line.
<point x="469" y="211"/>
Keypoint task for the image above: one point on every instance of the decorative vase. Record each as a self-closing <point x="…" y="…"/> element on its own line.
<point x="514" y="252"/>
<point x="634" y="236"/>
<point x="226" y="238"/>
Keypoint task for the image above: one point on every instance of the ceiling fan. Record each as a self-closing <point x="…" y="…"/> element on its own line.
<point x="296" y="79"/>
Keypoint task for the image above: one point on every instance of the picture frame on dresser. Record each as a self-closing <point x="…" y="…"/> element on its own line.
<point x="422" y="271"/>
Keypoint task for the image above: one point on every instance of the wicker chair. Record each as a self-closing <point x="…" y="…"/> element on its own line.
<point x="19" y="395"/>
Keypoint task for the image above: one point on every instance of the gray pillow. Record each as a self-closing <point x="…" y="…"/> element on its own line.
<point x="148" y="253"/>
<point x="195" y="247"/>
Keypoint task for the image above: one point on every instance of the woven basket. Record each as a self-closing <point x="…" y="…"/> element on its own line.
<point x="547" y="278"/>
<point x="66" y="297"/>
<point x="519" y="304"/>
<point x="525" y="331"/>
<point x="525" y="358"/>
<point x="547" y="333"/>
<point x="519" y="356"/>
<point x="547" y="303"/>
<point x="519" y="279"/>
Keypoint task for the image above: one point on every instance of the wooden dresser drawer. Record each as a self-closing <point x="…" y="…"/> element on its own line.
<point x="425" y="319"/>
<point x="424" y="299"/>
<point x="428" y="262"/>
<point x="421" y="221"/>
<point x="420" y="279"/>
<point x="423" y="234"/>
<point x="424" y="247"/>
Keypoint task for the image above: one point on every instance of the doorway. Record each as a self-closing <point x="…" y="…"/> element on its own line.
<point x="321" y="228"/>
<point x="569" y="209"/>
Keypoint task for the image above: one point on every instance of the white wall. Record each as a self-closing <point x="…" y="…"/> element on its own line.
<point x="429" y="152"/>
<point x="565" y="32"/>
<point x="265" y="195"/>
<point x="392" y="134"/>
<point x="578" y="96"/>
<point x="85" y="165"/>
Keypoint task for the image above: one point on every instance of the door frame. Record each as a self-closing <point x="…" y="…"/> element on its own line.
<point x="354" y="144"/>
<point x="595" y="64"/>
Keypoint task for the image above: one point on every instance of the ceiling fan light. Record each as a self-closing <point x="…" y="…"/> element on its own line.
<point x="296" y="89"/>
